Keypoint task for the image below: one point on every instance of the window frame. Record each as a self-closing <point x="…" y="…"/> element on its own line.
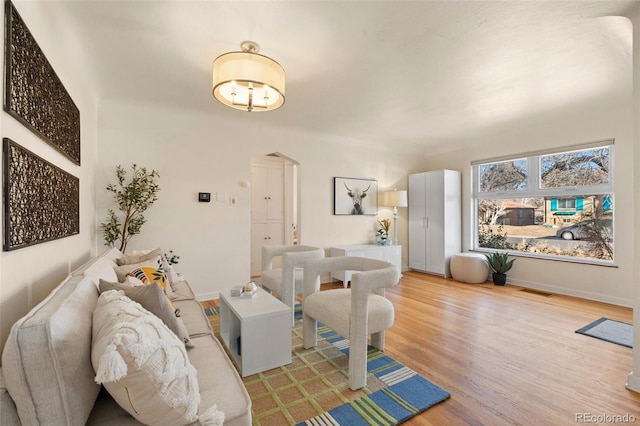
<point x="534" y="190"/>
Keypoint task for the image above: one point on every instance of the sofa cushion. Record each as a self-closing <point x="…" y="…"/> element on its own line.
<point x="100" y="267"/>
<point x="8" y="411"/>
<point x="46" y="360"/>
<point x="111" y="254"/>
<point x="192" y="313"/>
<point x="107" y="412"/>
<point x="153" y="299"/>
<point x="142" y="364"/>
<point x="219" y="381"/>
<point x="182" y="291"/>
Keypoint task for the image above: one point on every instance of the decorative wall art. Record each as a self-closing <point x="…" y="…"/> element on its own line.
<point x="353" y="196"/>
<point x="41" y="201"/>
<point x="34" y="94"/>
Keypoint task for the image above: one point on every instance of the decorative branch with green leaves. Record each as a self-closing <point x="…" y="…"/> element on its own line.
<point x="133" y="198"/>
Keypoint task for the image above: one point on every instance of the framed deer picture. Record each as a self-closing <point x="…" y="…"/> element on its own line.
<point x="352" y="196"/>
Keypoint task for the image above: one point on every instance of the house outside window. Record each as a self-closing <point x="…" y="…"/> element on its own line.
<point x="550" y="204"/>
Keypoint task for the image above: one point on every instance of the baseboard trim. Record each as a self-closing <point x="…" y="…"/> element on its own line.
<point x="597" y="297"/>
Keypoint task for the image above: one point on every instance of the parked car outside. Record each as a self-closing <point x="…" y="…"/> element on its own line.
<point x="580" y="230"/>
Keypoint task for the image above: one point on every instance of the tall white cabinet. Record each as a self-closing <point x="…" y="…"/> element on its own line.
<point x="267" y="208"/>
<point x="435" y="223"/>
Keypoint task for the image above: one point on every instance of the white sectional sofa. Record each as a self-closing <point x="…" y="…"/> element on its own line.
<point x="47" y="376"/>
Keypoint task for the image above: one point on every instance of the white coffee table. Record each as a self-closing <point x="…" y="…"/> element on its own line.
<point x="256" y="331"/>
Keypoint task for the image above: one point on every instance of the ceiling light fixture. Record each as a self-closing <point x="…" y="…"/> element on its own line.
<point x="248" y="81"/>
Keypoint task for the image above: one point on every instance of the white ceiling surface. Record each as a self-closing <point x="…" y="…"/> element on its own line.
<point x="419" y="72"/>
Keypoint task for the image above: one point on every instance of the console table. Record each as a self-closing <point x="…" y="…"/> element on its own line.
<point x="390" y="253"/>
<point x="256" y="331"/>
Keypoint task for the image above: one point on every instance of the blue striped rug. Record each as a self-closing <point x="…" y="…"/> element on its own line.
<point x="406" y="395"/>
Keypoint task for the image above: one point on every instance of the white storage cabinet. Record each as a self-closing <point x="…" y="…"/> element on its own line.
<point x="435" y="224"/>
<point x="267" y="208"/>
<point x="391" y="254"/>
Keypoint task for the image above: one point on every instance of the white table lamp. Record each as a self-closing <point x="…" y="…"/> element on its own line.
<point x="395" y="199"/>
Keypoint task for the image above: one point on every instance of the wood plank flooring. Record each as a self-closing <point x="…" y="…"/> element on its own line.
<point x="508" y="356"/>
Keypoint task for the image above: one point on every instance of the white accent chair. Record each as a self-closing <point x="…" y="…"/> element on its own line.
<point x="352" y="313"/>
<point x="287" y="280"/>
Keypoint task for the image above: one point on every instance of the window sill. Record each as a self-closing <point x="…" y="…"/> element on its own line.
<point x="555" y="258"/>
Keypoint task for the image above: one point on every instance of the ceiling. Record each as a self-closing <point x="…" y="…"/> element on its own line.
<point x="419" y="72"/>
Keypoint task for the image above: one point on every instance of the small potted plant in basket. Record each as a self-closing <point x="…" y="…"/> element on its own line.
<point x="500" y="264"/>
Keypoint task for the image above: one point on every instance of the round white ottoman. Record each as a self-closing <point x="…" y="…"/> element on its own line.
<point x="469" y="268"/>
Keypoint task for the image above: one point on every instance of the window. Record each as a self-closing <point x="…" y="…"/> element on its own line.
<point x="564" y="203"/>
<point x="503" y="176"/>
<point x="557" y="204"/>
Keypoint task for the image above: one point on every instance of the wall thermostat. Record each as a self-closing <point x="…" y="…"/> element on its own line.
<point x="204" y="197"/>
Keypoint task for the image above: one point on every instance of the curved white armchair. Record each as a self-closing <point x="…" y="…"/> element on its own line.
<point x="352" y="313"/>
<point x="286" y="281"/>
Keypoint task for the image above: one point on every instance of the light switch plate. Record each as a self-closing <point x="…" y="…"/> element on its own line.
<point x="221" y="197"/>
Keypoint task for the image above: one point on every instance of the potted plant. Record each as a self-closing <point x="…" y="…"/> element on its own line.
<point x="383" y="232"/>
<point x="500" y="264"/>
<point x="133" y="198"/>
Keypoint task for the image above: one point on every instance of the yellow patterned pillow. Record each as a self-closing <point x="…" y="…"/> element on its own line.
<point x="149" y="272"/>
<point x="150" y="275"/>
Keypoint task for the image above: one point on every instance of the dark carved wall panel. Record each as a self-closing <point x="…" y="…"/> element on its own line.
<point x="34" y="94"/>
<point x="41" y="201"/>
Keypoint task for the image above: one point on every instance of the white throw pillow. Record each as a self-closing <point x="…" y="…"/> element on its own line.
<point x="152" y="298"/>
<point x="138" y="256"/>
<point x="143" y="365"/>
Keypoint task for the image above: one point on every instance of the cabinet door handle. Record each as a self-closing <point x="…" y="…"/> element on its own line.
<point x="425" y="222"/>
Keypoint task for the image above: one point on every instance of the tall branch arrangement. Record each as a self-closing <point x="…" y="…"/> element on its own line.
<point x="133" y="198"/>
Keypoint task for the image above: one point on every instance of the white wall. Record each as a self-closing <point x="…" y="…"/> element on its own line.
<point x="211" y="151"/>
<point x="633" y="381"/>
<point x="587" y="121"/>
<point x="27" y="275"/>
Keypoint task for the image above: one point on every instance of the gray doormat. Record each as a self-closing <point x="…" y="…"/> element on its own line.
<point x="610" y="330"/>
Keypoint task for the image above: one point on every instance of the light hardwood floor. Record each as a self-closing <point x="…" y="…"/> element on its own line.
<point x="508" y="356"/>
